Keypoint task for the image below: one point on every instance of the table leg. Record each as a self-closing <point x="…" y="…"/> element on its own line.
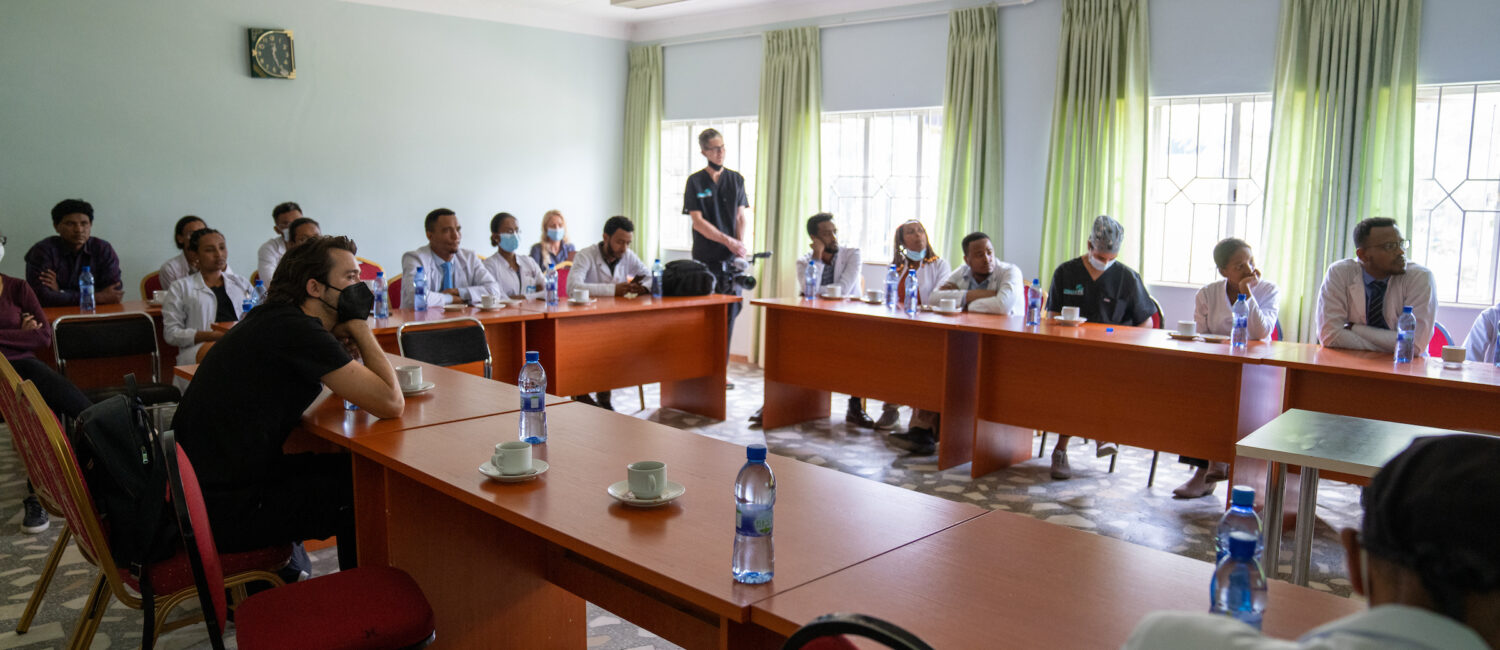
<point x="787" y="404"/>
<point x="703" y="395"/>
<point x="370" y="512"/>
<point x="1306" y="522"/>
<point x="1271" y="522"/>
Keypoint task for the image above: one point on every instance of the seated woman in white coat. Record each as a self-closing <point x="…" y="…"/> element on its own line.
<point x="915" y="254"/>
<point x="519" y="276"/>
<point x="1212" y="311"/>
<point x="212" y="295"/>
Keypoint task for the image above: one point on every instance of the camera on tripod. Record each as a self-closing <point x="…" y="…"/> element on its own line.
<point x="738" y="269"/>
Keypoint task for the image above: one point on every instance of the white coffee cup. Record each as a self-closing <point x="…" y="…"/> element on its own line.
<point x="832" y="291"/>
<point x="410" y="377"/>
<point x="1070" y="313"/>
<point x="1453" y="356"/>
<point x="488" y="301"/>
<point x="160" y="295"/>
<point x="874" y="295"/>
<point x="579" y="295"/>
<point x="1187" y="328"/>
<point x="512" y="458"/>
<point x="647" y="478"/>
<point x="948" y="304"/>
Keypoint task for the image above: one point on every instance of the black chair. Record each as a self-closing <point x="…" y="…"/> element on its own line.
<point x="79" y="337"/>
<point x="448" y="342"/>
<point x="830" y="632"/>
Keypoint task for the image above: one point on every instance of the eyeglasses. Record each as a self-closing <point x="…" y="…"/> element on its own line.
<point x="1391" y="247"/>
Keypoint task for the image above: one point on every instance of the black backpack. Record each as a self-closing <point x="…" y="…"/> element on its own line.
<point x="115" y="442"/>
<point x="686" y="278"/>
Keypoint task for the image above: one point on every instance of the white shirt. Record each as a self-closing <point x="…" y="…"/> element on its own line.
<point x="1212" y="309"/>
<point x="469" y="277"/>
<point x="190" y="307"/>
<point x="590" y="272"/>
<point x="268" y="257"/>
<point x="845" y="269"/>
<point x="1342" y="300"/>
<point x="1378" y="628"/>
<point x="930" y="276"/>
<point x="527" y="282"/>
<point x="1005" y="279"/>
<point x="1482" y="342"/>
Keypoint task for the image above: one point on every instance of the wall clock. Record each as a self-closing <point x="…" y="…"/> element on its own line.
<point x="271" y="54"/>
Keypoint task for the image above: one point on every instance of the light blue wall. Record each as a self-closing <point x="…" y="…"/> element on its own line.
<point x="145" y="108"/>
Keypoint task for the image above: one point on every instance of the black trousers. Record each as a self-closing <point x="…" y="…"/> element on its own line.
<point x="60" y="394"/>
<point x="304" y="496"/>
<point x="724" y="285"/>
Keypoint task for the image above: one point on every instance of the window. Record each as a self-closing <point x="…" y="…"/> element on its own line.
<point x="1206" y="180"/>
<point x="880" y="169"/>
<point x="1456" y="191"/>
<point x="681" y="157"/>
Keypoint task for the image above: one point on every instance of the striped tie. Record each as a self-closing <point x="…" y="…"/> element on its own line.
<point x="1375" y="305"/>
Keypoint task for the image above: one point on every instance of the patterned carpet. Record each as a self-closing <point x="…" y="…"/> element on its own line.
<point x="1116" y="505"/>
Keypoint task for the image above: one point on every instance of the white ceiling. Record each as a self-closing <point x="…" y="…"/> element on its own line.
<point x="599" y="18"/>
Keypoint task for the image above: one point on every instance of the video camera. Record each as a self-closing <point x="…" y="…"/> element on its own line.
<point x="737" y="270"/>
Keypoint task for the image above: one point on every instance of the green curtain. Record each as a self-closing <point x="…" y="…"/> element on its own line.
<point x="787" y="160"/>
<point x="969" y="178"/>
<point x="1097" y="159"/>
<point x="641" y="183"/>
<point x="1341" y="138"/>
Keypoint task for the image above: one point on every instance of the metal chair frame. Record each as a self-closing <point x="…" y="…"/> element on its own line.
<point x="429" y="325"/>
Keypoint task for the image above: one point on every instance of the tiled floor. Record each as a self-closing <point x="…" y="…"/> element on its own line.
<point x="1115" y="505"/>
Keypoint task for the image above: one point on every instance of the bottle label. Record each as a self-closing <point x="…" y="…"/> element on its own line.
<point x="532" y="403"/>
<point x="753" y="520"/>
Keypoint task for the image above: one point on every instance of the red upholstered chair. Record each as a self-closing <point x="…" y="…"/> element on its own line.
<point x="832" y="632"/>
<point x="49" y="455"/>
<point x="392" y="611"/>
<point x="562" y="281"/>
<point x="150" y="284"/>
<point x="10" y="405"/>
<point x="393" y="291"/>
<point x="1440" y="338"/>
<point x="1276" y="333"/>
<point x="368" y="269"/>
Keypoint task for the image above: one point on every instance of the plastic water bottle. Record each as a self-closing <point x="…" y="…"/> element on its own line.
<point x="1239" y="586"/>
<point x="656" y="276"/>
<point x="810" y="281"/>
<point x="419" y="289"/>
<point x="1406" y="336"/>
<point x="911" y="292"/>
<point x="550" y="279"/>
<point x="382" y="300"/>
<point x="1239" y="518"/>
<point x="754" y="496"/>
<point x="533" y="385"/>
<point x="892" y="280"/>
<point x="246" y="306"/>
<point x="1034" y="303"/>
<point x="1239" y="337"/>
<point x="86" y="290"/>
<point x="260" y="291"/>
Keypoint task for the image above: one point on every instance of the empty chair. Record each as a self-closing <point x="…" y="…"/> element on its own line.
<point x="368" y="269"/>
<point x="10" y="404"/>
<point x="150" y="284"/>
<point x="832" y="632"/>
<point x="391" y="611"/>
<point x="90" y="338"/>
<point x="1440" y="338"/>
<point x="393" y="292"/>
<point x="448" y="342"/>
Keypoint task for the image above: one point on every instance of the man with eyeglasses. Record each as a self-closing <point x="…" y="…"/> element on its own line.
<point x="715" y="199"/>
<point x="1362" y="297"/>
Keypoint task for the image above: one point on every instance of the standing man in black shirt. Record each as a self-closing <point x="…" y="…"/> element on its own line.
<point x="715" y="199"/>
<point x="254" y="384"/>
<point x="1104" y="291"/>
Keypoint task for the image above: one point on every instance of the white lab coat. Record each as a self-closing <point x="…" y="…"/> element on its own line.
<point x="590" y="272"/>
<point x="845" y="270"/>
<point x="1378" y="628"/>
<point x="528" y="281"/>
<point x="469" y="277"/>
<point x="268" y="257"/>
<point x="190" y="307"/>
<point x="1342" y="300"/>
<point x="1213" y="311"/>
<point x="1482" y="343"/>
<point x="1005" y="279"/>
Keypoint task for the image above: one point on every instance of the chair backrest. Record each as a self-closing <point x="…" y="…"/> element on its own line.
<point x="100" y="336"/>
<point x="197" y="535"/>
<point x="150" y="284"/>
<point x="1440" y="338"/>
<point x="393" y="291"/>
<point x="1157" y="318"/>
<point x="254" y="275"/>
<point x="448" y="342"/>
<point x="1276" y="333"/>
<point x="562" y="280"/>
<point x="830" y="632"/>
<point x="368" y="269"/>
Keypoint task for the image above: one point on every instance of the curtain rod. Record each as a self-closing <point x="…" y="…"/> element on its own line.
<point x="835" y="24"/>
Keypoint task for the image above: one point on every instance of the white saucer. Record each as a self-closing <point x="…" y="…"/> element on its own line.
<point x="455" y="307"/>
<point x="621" y="492"/>
<point x="1214" y="338"/>
<point x="1070" y="323"/>
<point x="867" y="301"/>
<point x="949" y="312"/>
<point x="498" y="307"/>
<point x="538" y="468"/>
<point x="840" y="297"/>
<point x="1183" y="337"/>
<point x="154" y="303"/>
<point x="590" y="301"/>
<point x="421" y="388"/>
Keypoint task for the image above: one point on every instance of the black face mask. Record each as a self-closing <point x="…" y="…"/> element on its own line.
<point x="356" y="301"/>
<point x="714" y="166"/>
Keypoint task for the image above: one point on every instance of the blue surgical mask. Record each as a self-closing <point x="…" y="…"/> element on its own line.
<point x="509" y="242"/>
<point x="916" y="256"/>
<point x="556" y="234"/>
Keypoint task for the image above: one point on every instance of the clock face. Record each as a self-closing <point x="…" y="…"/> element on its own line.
<point x="271" y="54"/>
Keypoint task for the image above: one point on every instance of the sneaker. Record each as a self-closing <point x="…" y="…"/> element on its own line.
<point x="889" y="418"/>
<point x="917" y="441"/>
<point x="36" y="519"/>
<point x="857" y="417"/>
<point x="756" y="416"/>
<point x="1061" y="471"/>
<point x="1105" y="449"/>
<point x="604" y="400"/>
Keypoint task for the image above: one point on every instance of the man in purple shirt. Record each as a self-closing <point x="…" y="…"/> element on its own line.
<point x="54" y="264"/>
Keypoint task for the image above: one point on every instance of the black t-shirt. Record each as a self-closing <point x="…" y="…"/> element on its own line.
<point x="250" y="391"/>
<point x="719" y="203"/>
<point x="1118" y="297"/>
<point x="224" y="310"/>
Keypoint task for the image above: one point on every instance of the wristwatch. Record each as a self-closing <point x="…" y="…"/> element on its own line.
<point x="1349" y="325"/>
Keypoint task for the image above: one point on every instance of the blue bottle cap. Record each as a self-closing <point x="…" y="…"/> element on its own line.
<point x="755" y="452"/>
<point x="1406" y="310"/>
<point x="1036" y="281"/>
<point x="86" y="270"/>
<point x="1242" y="296"/>
<point x="1108" y="330"/>
<point x="1242" y="545"/>
<point x="532" y="356"/>
<point x="1242" y="495"/>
